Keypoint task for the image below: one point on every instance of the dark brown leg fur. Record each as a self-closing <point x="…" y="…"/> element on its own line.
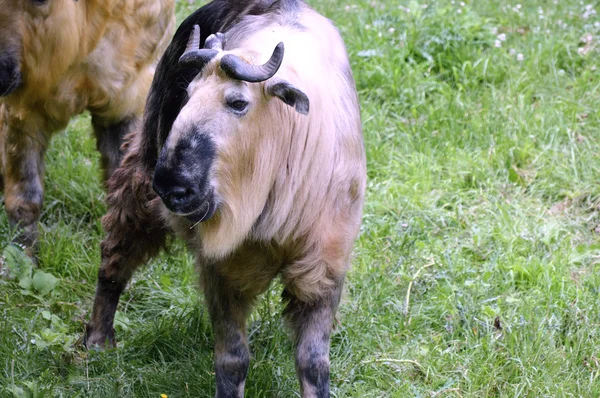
<point x="109" y="137"/>
<point x="134" y="233"/>
<point x="311" y="323"/>
<point x="23" y="183"/>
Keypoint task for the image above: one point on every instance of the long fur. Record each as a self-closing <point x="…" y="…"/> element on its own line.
<point x="285" y="179"/>
<point x="290" y="186"/>
<point x="95" y="55"/>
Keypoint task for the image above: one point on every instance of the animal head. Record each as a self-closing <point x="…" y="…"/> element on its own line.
<point x="40" y="39"/>
<point x="216" y="136"/>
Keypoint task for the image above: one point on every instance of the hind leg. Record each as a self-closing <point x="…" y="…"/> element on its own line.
<point x="23" y="183"/>
<point x="134" y="233"/>
<point x="109" y="137"/>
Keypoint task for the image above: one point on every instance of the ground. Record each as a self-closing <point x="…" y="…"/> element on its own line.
<point x="476" y="271"/>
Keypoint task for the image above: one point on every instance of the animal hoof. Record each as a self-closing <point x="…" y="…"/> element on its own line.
<point x="94" y="339"/>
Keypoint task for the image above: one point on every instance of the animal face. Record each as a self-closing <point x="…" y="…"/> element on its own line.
<point x="214" y="142"/>
<point x="40" y="39"/>
<point x="218" y="109"/>
<point x="10" y="45"/>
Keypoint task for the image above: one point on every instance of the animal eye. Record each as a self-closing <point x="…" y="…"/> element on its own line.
<point x="39" y="2"/>
<point x="238" y="105"/>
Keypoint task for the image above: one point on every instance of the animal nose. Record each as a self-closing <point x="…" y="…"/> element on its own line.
<point x="178" y="195"/>
<point x="10" y="75"/>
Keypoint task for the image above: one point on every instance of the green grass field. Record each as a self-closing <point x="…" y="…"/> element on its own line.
<point x="477" y="270"/>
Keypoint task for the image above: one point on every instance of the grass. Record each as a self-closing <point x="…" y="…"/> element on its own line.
<point x="481" y="129"/>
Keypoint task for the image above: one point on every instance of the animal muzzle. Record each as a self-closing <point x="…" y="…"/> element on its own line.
<point x="184" y="196"/>
<point x="10" y="74"/>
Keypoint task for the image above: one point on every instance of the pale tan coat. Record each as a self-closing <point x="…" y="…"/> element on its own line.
<point x="292" y="183"/>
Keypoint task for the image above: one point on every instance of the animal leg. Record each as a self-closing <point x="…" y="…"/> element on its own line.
<point x="109" y="137"/>
<point x="228" y="309"/>
<point x="23" y="183"/>
<point x="311" y="323"/>
<point x="134" y="234"/>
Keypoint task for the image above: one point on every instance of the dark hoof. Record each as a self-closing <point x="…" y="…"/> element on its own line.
<point x="27" y="240"/>
<point x="97" y="340"/>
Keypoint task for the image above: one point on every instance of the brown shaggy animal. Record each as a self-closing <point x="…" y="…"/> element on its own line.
<point x="258" y="164"/>
<point x="59" y="58"/>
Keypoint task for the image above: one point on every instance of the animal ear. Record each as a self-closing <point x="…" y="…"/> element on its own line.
<point x="289" y="94"/>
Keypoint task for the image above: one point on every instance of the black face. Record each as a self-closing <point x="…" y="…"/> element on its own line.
<point x="181" y="177"/>
<point x="10" y="73"/>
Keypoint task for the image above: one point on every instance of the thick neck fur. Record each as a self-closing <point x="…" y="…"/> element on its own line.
<point x="298" y="173"/>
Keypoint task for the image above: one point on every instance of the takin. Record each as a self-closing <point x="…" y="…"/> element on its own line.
<point x="259" y="164"/>
<point x="59" y="58"/>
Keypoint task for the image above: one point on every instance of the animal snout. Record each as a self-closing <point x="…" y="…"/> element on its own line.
<point x="10" y="74"/>
<point x="180" y="195"/>
<point x="182" y="176"/>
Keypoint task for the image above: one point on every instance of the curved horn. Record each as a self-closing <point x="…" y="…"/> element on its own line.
<point x="236" y="68"/>
<point x="194" y="57"/>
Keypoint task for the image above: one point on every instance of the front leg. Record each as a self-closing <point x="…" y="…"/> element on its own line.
<point x="228" y="308"/>
<point x="23" y="182"/>
<point x="311" y="323"/>
<point x="109" y="137"/>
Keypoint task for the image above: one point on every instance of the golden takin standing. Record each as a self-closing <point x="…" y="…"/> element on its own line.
<point x="59" y="58"/>
<point x="251" y="149"/>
